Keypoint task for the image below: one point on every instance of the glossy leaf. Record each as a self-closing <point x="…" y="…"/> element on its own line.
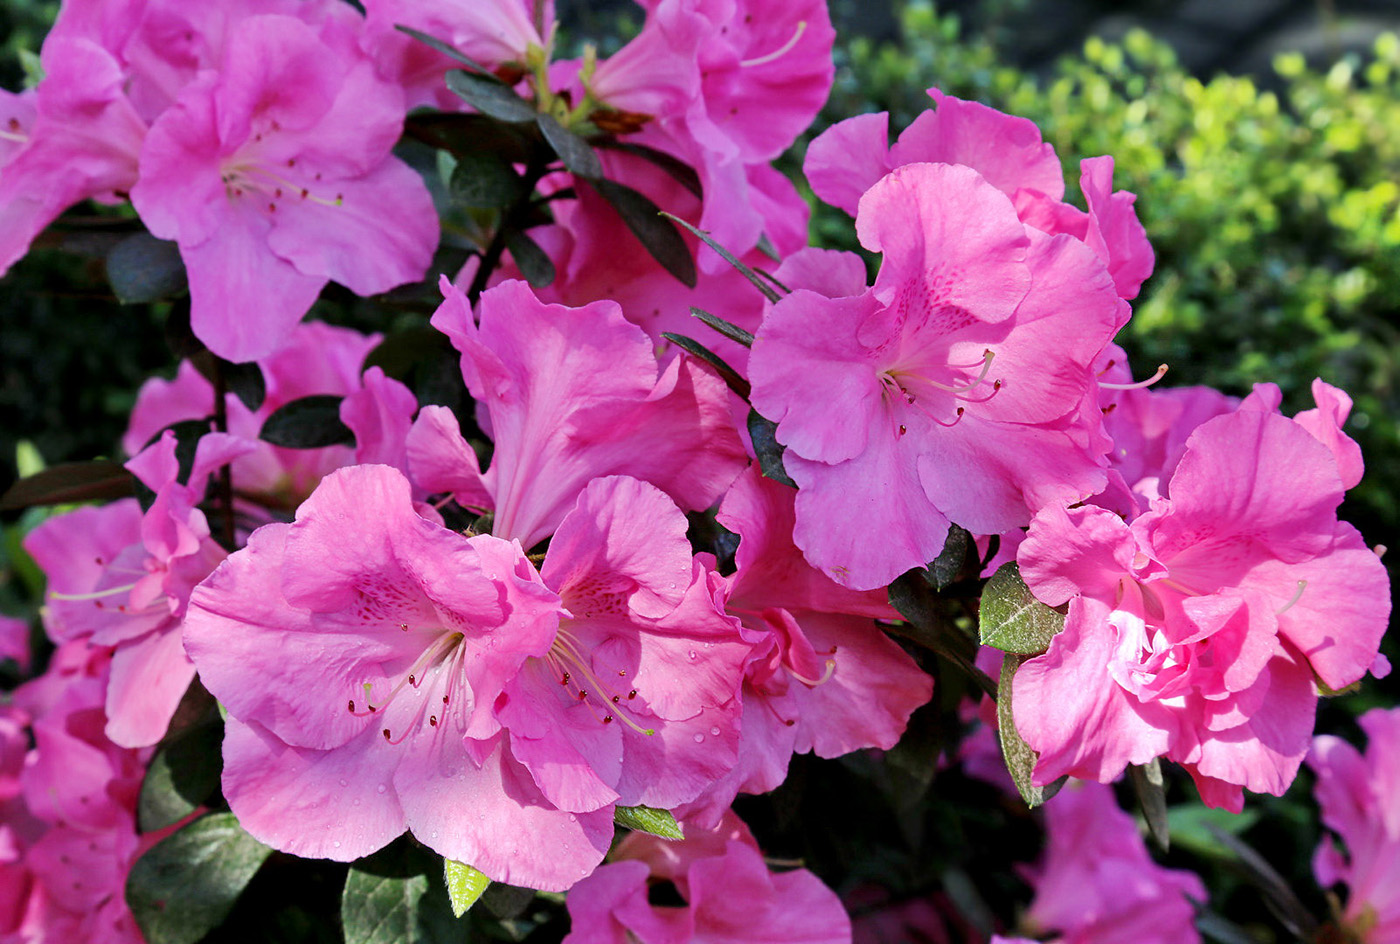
<point x="142" y="268"/>
<point x="1152" y="798"/>
<point x="100" y="480"/>
<point x="1012" y="619"/>
<point x="484" y="181"/>
<point x="649" y="224"/>
<point x="764" y="433"/>
<point x="490" y="96"/>
<point x="727" y="328"/>
<point x="534" y="263"/>
<point x="187" y="883"/>
<point x="182" y="775"/>
<point x="758" y="282"/>
<point x="464" y="885"/>
<point x="308" y="423"/>
<point x="648" y="820"/>
<point x="1020" y="759"/>
<point x="730" y="376"/>
<point x="577" y="154"/>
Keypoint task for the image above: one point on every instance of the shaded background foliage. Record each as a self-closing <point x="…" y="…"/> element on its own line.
<point x="1267" y="180"/>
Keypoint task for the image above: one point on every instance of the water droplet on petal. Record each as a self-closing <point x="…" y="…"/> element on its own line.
<point x="693" y="655"/>
<point x="336" y="844"/>
<point x="699" y="739"/>
<point x="382" y="787"/>
<point x="345" y="783"/>
<point x="573" y="818"/>
<point x="715" y="731"/>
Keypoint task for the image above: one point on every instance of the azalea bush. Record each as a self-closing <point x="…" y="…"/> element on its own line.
<point x="537" y="539"/>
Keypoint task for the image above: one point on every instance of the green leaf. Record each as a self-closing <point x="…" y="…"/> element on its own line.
<point x="69" y="482"/>
<point x="308" y="423"/>
<point x="930" y="626"/>
<point x="1152" y="798"/>
<point x="764" y="433"/>
<point x="678" y="169"/>
<point x="1012" y="619"/>
<point x="649" y="224"/>
<point x="534" y="263"/>
<point x="578" y="156"/>
<point x="731" y="376"/>
<point x="245" y="379"/>
<point x="187" y="883"/>
<point x="381" y="909"/>
<point x="142" y="268"/>
<point x="1020" y="759"/>
<point x="952" y="562"/>
<point x="730" y="330"/>
<point x="648" y="820"/>
<point x="464" y="885"/>
<point x="490" y="96"/>
<point x="181" y="776"/>
<point x="1191" y="824"/>
<point x="442" y="47"/>
<point x="729" y="257"/>
<point x="466" y="134"/>
<point x="483" y="181"/>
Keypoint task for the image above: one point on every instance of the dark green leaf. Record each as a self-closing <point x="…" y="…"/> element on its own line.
<point x="178" y="334"/>
<point x="731" y="376"/>
<point x="1152" y="798"/>
<point x="648" y="820"/>
<point x="245" y="380"/>
<point x="188" y="882"/>
<point x="929" y="626"/>
<point x="442" y="47"/>
<point x="490" y="96"/>
<point x="678" y="169"/>
<point x="142" y="268"/>
<point x="1278" y="894"/>
<point x="381" y="909"/>
<point x="468" y="134"/>
<point x="649" y="224"/>
<point x="952" y="562"/>
<point x="730" y="330"/>
<point x="307" y="423"/>
<point x="577" y="154"/>
<point x="764" y="433"/>
<point x="1020" y="759"/>
<point x="484" y="181"/>
<point x="729" y="257"/>
<point x="182" y="775"/>
<point x="464" y="885"/>
<point x="402" y="351"/>
<point x="1190" y="825"/>
<point x="1012" y="619"/>
<point x="100" y="480"/>
<point x="534" y="263"/>
<point x="507" y="901"/>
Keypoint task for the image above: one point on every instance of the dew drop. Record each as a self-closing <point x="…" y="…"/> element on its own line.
<point x="336" y="844"/>
<point x="715" y="731"/>
<point x="693" y="655"/>
<point x="699" y="739"/>
<point x="573" y="818"/>
<point x="345" y="783"/>
<point x="382" y="787"/>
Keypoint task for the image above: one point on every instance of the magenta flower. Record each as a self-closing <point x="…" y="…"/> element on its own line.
<point x="274" y="175"/>
<point x="574" y="394"/>
<point x="1197" y="631"/>
<point x="821" y="676"/>
<point x="731" y="897"/>
<point x="1358" y="794"/>
<point x="446" y="674"/>
<point x="76" y="137"/>
<point x="1097" y="884"/>
<point x="958" y="388"/>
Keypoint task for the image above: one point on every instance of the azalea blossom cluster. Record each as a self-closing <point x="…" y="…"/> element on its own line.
<point x="632" y="573"/>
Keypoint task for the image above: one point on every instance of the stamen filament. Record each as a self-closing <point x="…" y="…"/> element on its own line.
<point x="780" y="51"/>
<point x="1141" y="384"/>
<point x="94" y="595"/>
<point x="1297" y="595"/>
<point x="813" y="683"/>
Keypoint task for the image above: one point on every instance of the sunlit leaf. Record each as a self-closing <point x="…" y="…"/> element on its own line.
<point x="464" y="885"/>
<point x="1012" y="619"/>
<point x="648" y="820"/>
<point x="1020" y="759"/>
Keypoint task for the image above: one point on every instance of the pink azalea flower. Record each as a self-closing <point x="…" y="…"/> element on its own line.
<point x="958" y="388"/>
<point x="1097" y="884"/>
<point x="821" y="676"/>
<point x="493" y="32"/>
<point x="91" y="556"/>
<point x="1358" y="794"/>
<point x="448" y="674"/>
<point x="318" y="359"/>
<point x="573" y="394"/>
<point x="1197" y="631"/>
<point x="730" y="896"/>
<point x="850" y="156"/>
<point x="76" y="137"/>
<point x="274" y="175"/>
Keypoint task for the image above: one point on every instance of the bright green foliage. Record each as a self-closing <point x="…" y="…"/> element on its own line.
<point x="1275" y="214"/>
